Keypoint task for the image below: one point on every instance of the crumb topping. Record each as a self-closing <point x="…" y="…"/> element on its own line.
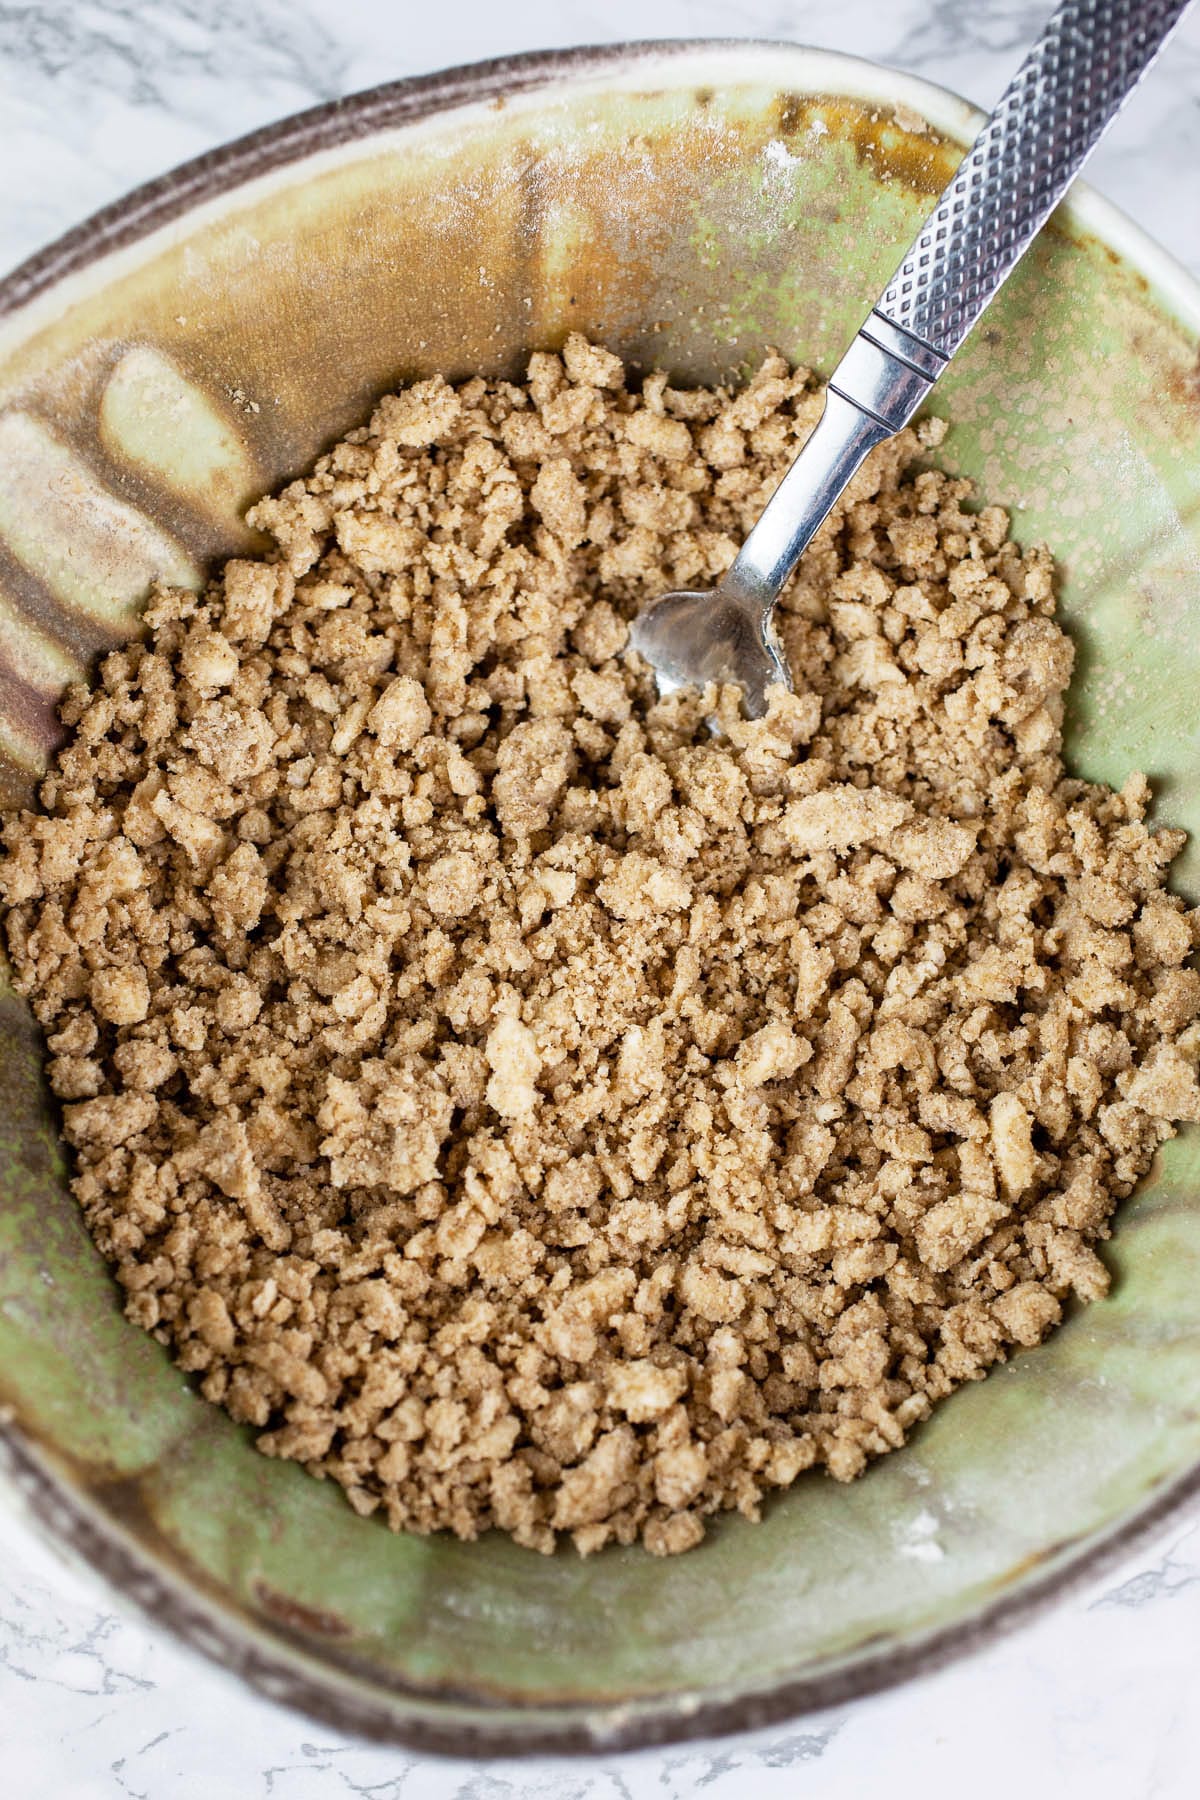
<point x="527" y="1108"/>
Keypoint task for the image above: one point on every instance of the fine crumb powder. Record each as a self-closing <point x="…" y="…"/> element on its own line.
<point x="517" y="1102"/>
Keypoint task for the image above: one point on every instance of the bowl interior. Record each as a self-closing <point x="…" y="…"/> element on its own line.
<point x="688" y="207"/>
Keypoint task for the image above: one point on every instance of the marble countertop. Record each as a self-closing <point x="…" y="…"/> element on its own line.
<point x="1100" y="1698"/>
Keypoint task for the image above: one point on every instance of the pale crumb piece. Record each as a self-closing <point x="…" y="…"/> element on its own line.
<point x="1027" y="1312"/>
<point x="1012" y="1144"/>
<point x="208" y="661"/>
<point x="526" y="1108"/>
<point x="453" y="884"/>
<point x="643" y="1391"/>
<point x="121" y="996"/>
<point x="512" y="1056"/>
<point x="560" y="497"/>
<point x="420" y="415"/>
<point x="771" y="1054"/>
<point x="401" y="715"/>
<point x="591" y="364"/>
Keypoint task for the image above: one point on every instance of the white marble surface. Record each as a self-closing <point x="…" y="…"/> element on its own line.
<point x="1102" y="1697"/>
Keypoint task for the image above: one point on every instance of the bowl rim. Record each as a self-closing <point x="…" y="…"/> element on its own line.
<point x="75" y="1526"/>
<point x="337" y="123"/>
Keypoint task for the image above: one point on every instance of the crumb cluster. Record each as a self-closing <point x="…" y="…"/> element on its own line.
<point x="518" y="1103"/>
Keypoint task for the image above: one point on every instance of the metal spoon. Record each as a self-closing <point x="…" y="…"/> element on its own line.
<point x="1058" y="106"/>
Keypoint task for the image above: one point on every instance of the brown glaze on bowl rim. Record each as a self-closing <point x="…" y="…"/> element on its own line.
<point x="175" y="1598"/>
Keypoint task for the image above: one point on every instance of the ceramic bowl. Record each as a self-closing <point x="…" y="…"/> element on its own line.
<point x="191" y="346"/>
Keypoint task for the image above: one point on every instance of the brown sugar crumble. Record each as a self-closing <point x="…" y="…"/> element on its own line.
<point x="526" y="1107"/>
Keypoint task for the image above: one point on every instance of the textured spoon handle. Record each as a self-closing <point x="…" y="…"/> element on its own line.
<point x="1068" y="90"/>
<point x="1066" y="93"/>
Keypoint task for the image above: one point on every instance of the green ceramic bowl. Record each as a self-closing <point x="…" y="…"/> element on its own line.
<point x="687" y="204"/>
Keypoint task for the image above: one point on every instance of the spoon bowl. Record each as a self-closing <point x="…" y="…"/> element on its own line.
<point x="690" y="639"/>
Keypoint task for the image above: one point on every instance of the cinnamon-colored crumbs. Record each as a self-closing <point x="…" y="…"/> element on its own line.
<point x="516" y="1102"/>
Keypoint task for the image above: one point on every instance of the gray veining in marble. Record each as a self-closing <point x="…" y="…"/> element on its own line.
<point x="1101" y="1698"/>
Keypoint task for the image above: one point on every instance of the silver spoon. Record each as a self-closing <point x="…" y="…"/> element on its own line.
<point x="1058" y="106"/>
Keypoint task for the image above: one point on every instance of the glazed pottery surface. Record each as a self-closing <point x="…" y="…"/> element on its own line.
<point x="688" y="205"/>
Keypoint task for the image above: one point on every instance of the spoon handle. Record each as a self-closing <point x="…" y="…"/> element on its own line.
<point x="1067" y="92"/>
<point x="1054" y="112"/>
